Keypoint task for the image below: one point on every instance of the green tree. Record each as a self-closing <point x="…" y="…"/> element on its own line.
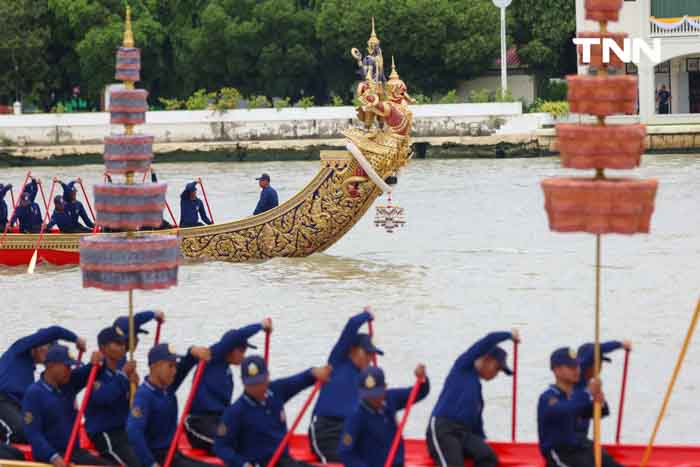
<point x="24" y="36"/>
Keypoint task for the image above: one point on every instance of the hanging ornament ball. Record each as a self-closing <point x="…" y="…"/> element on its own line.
<point x="389" y="217"/>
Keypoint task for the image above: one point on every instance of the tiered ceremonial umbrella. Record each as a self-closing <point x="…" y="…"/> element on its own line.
<point x="127" y="261"/>
<point x="600" y="205"/>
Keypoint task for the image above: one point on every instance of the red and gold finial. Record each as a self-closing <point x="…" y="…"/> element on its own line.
<point x="128" y="33"/>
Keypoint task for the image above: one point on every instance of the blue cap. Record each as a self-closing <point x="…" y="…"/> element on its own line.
<point x="111" y="334"/>
<point x="564" y="356"/>
<point x="162" y="352"/>
<point x="501" y="356"/>
<point x="364" y="341"/>
<point x="264" y="176"/>
<point x="123" y="323"/>
<point x="254" y="370"/>
<point x="58" y="199"/>
<point x="190" y="187"/>
<point x="372" y="382"/>
<point x="586" y="355"/>
<point x="238" y="343"/>
<point x="59" y="354"/>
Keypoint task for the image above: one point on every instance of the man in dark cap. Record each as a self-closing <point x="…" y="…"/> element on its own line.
<point x="192" y="208"/>
<point x="253" y="427"/>
<point x="456" y="428"/>
<point x="28" y="212"/>
<point x="268" y="195"/>
<point x="140" y="319"/>
<point x="153" y="419"/>
<point x="108" y="409"/>
<point x="73" y="207"/>
<point x="558" y="411"/>
<point x="49" y="409"/>
<point x="17" y="366"/>
<point x="63" y="219"/>
<point x="351" y="354"/>
<point x="216" y="387"/>
<point x="369" y="432"/>
<point x="3" y="205"/>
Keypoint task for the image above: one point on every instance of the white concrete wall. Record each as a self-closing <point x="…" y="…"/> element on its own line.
<point x="521" y="86"/>
<point x="240" y="125"/>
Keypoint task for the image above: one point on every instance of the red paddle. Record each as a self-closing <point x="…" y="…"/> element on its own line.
<point x="397" y="437"/>
<point x="14" y="207"/>
<point x="267" y="345"/>
<point x="622" y="397"/>
<point x="206" y="200"/>
<point x="87" y="200"/>
<point x="514" y="414"/>
<point x="79" y="417"/>
<point x="370" y="327"/>
<point x="157" y="340"/>
<point x="185" y="413"/>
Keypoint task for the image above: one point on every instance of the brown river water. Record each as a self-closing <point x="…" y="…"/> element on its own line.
<point x="475" y="256"/>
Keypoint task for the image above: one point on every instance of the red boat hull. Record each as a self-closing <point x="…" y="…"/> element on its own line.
<point x="55" y="257"/>
<point x="509" y="454"/>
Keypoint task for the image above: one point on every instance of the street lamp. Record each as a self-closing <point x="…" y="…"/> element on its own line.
<point x="503" y="4"/>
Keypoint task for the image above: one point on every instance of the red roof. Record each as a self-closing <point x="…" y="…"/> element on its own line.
<point x="512" y="58"/>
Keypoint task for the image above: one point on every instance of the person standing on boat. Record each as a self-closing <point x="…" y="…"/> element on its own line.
<point x="3" y="205"/>
<point x="28" y="212"/>
<point x="268" y="196"/>
<point x="108" y="409"/>
<point x="140" y="319"/>
<point x="253" y="427"/>
<point x="337" y="400"/>
<point x="586" y="354"/>
<point x="369" y="432"/>
<point x="456" y="428"/>
<point x="216" y="387"/>
<point x="63" y="219"/>
<point x="559" y="410"/>
<point x="17" y="366"/>
<point x="75" y="208"/>
<point x="49" y="409"/>
<point x="152" y="422"/>
<point x="192" y="208"/>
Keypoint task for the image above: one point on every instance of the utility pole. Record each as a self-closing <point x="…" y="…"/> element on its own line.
<point x="503" y="4"/>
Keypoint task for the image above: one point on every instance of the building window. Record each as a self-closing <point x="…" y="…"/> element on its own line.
<point x="664" y="67"/>
<point x="693" y="64"/>
<point x="630" y="68"/>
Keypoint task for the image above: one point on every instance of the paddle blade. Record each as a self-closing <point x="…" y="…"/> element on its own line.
<point x="32" y="263"/>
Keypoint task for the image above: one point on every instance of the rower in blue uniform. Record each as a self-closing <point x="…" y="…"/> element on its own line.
<point x="192" y="208"/>
<point x="108" y="408"/>
<point x="456" y="428"/>
<point x="253" y="427"/>
<point x="49" y="409"/>
<point x="268" y="196"/>
<point x="75" y="208"/>
<point x="351" y="354"/>
<point x="216" y="387"/>
<point x="153" y="419"/>
<point x="558" y="411"/>
<point x="140" y="319"/>
<point x="369" y="432"/>
<point x="3" y="205"/>
<point x="587" y="357"/>
<point x="28" y="212"/>
<point x="17" y="366"/>
<point x="62" y="218"/>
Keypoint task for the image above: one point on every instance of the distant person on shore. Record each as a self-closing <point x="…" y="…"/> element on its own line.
<point x="268" y="195"/>
<point x="28" y="212"/>
<point x="3" y="205"/>
<point x="663" y="100"/>
<point x="456" y="428"/>
<point x="73" y="207"/>
<point x="192" y="208"/>
<point x="63" y="220"/>
<point x="559" y="410"/>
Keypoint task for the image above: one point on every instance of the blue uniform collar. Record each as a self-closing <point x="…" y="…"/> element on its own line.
<point x="255" y="403"/>
<point x="153" y="388"/>
<point x="47" y="386"/>
<point x="371" y="409"/>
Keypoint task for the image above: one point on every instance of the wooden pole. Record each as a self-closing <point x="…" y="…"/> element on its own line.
<point x="676" y="371"/>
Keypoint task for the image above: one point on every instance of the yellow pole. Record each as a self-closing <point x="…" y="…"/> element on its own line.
<point x="597" y="409"/>
<point x="676" y="370"/>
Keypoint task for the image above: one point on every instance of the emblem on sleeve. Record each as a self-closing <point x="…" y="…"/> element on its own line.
<point x="347" y="439"/>
<point x="370" y="382"/>
<point x="28" y="418"/>
<point x="97" y="385"/>
<point x="136" y="412"/>
<point x="552" y="400"/>
<point x="221" y="429"/>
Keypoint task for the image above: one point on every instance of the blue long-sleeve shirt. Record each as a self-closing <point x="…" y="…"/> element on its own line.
<point x="49" y="414"/>
<point x="250" y="431"/>
<point x="152" y="421"/>
<point x="3" y="204"/>
<point x="63" y="220"/>
<point x="191" y="210"/>
<point x="339" y="396"/>
<point x="75" y="208"/>
<point x="216" y="387"/>
<point x="461" y="399"/>
<point x="268" y="200"/>
<point x="108" y="407"/>
<point x="580" y="389"/>
<point x="368" y="433"/>
<point x="140" y="319"/>
<point x="17" y="365"/>
<point x="557" y="414"/>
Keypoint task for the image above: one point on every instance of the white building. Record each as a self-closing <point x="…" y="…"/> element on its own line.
<point x="677" y="24"/>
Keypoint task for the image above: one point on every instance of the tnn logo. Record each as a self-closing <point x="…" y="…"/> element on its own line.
<point x="630" y="52"/>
